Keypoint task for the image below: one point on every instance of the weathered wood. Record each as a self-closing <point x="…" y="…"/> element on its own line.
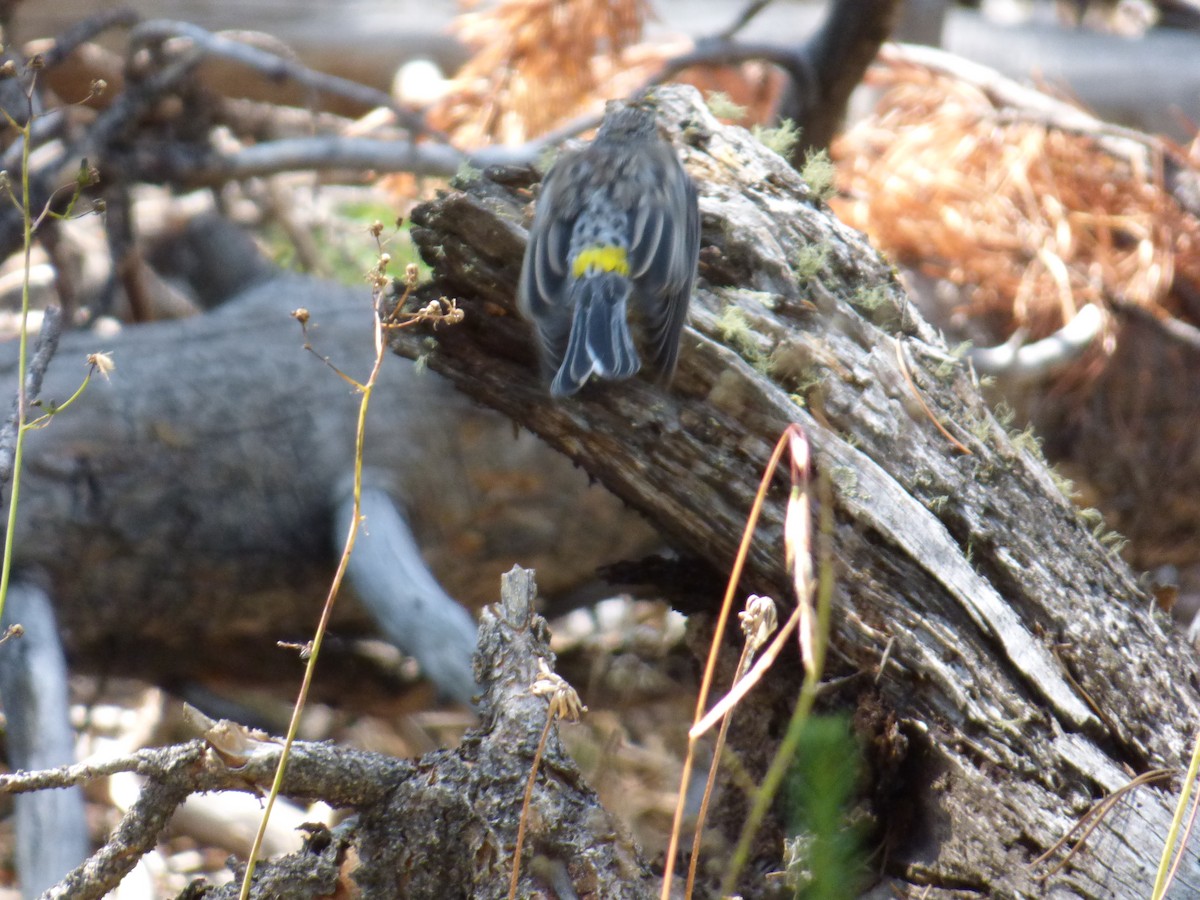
<point x="51" y="826"/>
<point x="466" y="803"/>
<point x="182" y="514"/>
<point x="1026" y="674"/>
<point x="442" y="826"/>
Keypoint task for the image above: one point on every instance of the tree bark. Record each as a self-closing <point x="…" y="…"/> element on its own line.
<point x="1013" y="670"/>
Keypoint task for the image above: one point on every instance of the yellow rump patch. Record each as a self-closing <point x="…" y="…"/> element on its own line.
<point x="601" y="258"/>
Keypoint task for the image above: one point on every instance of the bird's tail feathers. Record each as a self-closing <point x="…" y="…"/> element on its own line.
<point x="600" y="342"/>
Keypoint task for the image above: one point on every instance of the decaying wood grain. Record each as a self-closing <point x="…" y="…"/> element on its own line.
<point x="1027" y="674"/>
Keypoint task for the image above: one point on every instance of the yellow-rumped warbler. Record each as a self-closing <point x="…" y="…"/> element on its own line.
<point x="616" y="232"/>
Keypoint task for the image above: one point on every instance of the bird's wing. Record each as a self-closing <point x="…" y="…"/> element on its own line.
<point x="542" y="291"/>
<point x="664" y="249"/>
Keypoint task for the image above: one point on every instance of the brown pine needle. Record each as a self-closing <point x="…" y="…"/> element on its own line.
<point x="710" y="667"/>
<point x="925" y="406"/>
<point x="1093" y="817"/>
<point x="564" y="704"/>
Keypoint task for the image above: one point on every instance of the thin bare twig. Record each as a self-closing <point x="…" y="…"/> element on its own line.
<point x="749" y="11"/>
<point x="274" y="67"/>
<point x="82" y="32"/>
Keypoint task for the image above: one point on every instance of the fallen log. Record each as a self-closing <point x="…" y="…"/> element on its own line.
<point x="183" y="514"/>
<point x="1011" y="670"/>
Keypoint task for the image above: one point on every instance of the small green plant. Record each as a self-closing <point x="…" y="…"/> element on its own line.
<point x="1004" y="413"/>
<point x="820" y="173"/>
<point x="980" y="427"/>
<point x="1064" y="484"/>
<point x="388" y="313"/>
<point x="823" y="853"/>
<point x="782" y="138"/>
<point x="1114" y="542"/>
<point x="948" y="366"/>
<point x="86" y="177"/>
<point x="809" y="262"/>
<point x="870" y="299"/>
<point x="734" y="326"/>
<point x="1027" y="441"/>
<point x="467" y="174"/>
<point x="721" y="105"/>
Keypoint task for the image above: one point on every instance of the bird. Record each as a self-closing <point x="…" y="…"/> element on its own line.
<point x="615" y="240"/>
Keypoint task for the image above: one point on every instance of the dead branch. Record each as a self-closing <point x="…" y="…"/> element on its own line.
<point x="272" y="66"/>
<point x="51" y="826"/>
<point x="1022" y="361"/>
<point x="438" y="826"/>
<point x="86" y="30"/>
<point x="833" y="66"/>
<point x="215" y="460"/>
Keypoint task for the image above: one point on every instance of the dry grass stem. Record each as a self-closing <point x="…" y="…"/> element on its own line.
<point x="564" y="703"/>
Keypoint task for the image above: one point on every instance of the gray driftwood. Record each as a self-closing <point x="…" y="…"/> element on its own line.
<point x="184" y="514"/>
<point x="1011" y="671"/>
<point x="51" y="826"/>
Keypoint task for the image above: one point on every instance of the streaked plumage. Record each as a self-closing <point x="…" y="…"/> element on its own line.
<point x="615" y="240"/>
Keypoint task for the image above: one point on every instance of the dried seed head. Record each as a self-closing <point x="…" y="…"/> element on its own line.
<point x="564" y="701"/>
<point x="759" y="620"/>
<point x="102" y="363"/>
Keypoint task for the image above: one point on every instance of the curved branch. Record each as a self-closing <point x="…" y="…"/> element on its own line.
<point x="1027" y="362"/>
<point x="82" y="32"/>
<point x="445" y="830"/>
<point x="273" y="67"/>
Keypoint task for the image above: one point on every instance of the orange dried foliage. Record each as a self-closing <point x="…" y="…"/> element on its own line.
<point x="536" y="62"/>
<point x="539" y="64"/>
<point x="1034" y="222"/>
<point x="754" y="86"/>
